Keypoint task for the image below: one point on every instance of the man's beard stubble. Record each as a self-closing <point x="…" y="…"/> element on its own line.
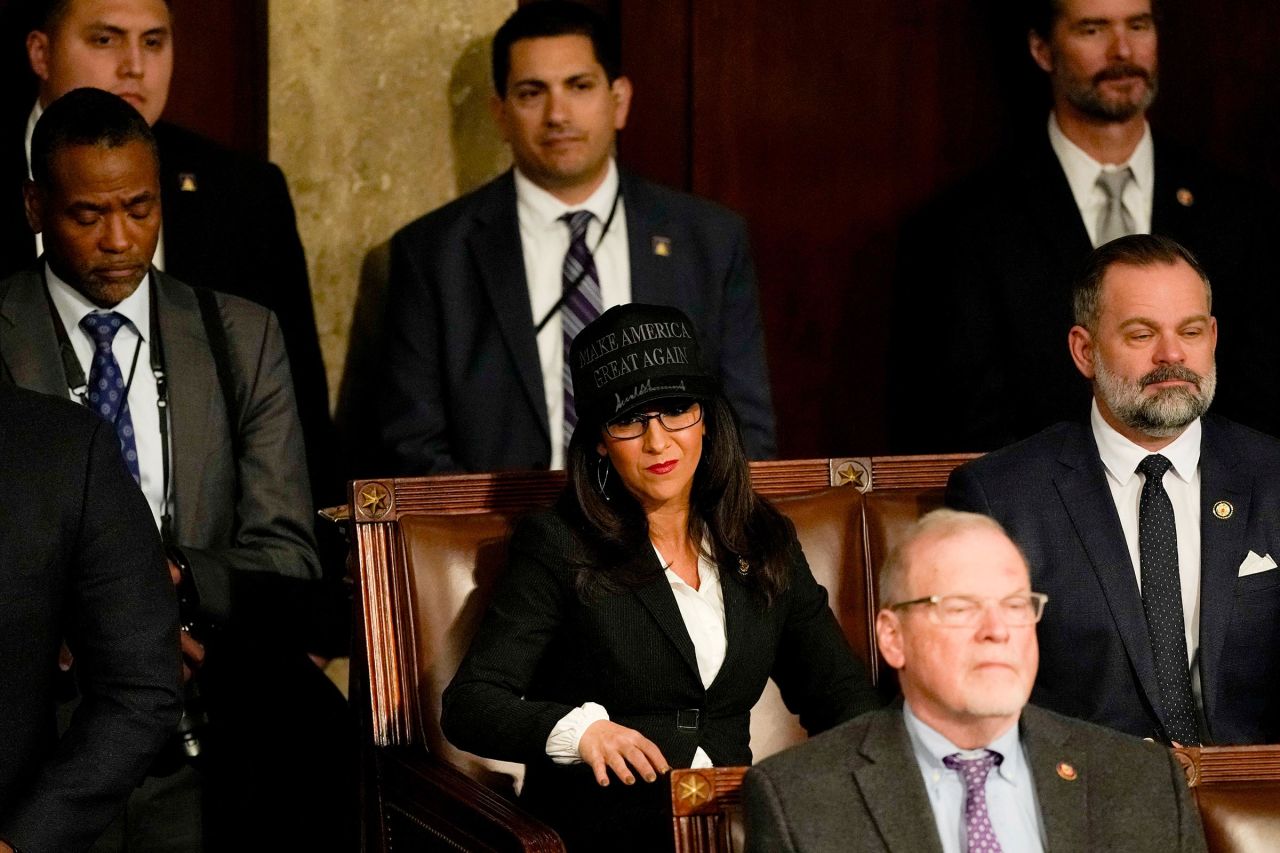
<point x="1090" y="100"/>
<point x="1164" y="414"/>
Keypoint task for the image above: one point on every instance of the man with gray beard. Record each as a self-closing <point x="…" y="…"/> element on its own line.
<point x="985" y="271"/>
<point x="1152" y="526"/>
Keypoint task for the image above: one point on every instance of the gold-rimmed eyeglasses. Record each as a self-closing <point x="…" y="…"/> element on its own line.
<point x="964" y="611"/>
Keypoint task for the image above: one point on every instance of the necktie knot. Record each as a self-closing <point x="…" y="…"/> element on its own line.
<point x="578" y="220"/>
<point x="102" y="327"/>
<point x="1114" y="182"/>
<point x="974" y="770"/>
<point x="1154" y="467"/>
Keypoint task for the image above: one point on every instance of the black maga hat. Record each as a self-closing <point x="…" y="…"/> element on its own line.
<point x="632" y="355"/>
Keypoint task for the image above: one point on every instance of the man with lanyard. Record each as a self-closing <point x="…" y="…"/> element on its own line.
<point x="487" y="292"/>
<point x="197" y="388"/>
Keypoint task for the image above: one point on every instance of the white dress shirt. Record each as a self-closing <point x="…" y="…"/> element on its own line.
<point x="134" y="335"/>
<point x="702" y="611"/>
<point x="1082" y="174"/>
<point x="1120" y="458"/>
<point x="544" y="241"/>
<point x="157" y="260"/>
<point x="1012" y="805"/>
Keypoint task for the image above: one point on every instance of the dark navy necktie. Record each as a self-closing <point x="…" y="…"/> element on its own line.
<point x="980" y="835"/>
<point x="583" y="304"/>
<point x="1162" y="601"/>
<point x="108" y="395"/>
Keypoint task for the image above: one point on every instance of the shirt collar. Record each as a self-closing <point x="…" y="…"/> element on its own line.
<point x="1120" y="456"/>
<point x="931" y="746"/>
<point x="538" y="207"/>
<point x="72" y="305"/>
<point x="1082" y="170"/>
<point x="36" y="112"/>
<point x="708" y="573"/>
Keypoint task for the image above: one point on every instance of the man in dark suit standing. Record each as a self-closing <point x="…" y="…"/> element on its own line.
<point x="983" y="287"/>
<point x="957" y="621"/>
<point x="228" y="220"/>
<point x="1152" y="525"/>
<point x="486" y="293"/>
<point x="197" y="387"/>
<point x="80" y="560"/>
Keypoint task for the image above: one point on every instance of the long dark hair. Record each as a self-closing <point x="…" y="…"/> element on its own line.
<point x="738" y="524"/>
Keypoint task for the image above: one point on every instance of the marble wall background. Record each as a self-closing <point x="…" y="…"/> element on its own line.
<point x="378" y="114"/>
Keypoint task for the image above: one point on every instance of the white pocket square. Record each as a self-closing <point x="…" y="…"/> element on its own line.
<point x="1253" y="564"/>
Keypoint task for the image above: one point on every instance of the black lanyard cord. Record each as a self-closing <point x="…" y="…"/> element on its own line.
<point x="577" y="282"/>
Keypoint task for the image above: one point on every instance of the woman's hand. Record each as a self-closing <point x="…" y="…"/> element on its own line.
<point x="606" y="745"/>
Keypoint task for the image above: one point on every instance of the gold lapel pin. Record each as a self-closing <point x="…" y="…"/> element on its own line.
<point x="662" y="246"/>
<point x="1185" y="197"/>
<point x="744" y="568"/>
<point x="1066" y="771"/>
<point x="1224" y="510"/>
<point x="187" y="182"/>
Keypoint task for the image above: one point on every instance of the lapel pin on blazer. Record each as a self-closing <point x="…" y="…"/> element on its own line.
<point x="744" y="568"/>
<point x="1185" y="197"/>
<point x="187" y="182"/>
<point x="662" y="246"/>
<point x="1067" y="772"/>
<point x="1224" y="510"/>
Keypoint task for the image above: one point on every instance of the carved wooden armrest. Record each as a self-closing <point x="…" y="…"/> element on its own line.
<point x="702" y="805"/>
<point x="426" y="800"/>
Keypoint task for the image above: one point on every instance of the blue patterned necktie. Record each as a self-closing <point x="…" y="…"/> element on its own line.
<point x="107" y="392"/>
<point x="583" y="304"/>
<point x="980" y="835"/>
<point x="1162" y="601"/>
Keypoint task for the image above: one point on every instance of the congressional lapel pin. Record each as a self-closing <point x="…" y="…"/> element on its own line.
<point x="1185" y="198"/>
<point x="744" y="568"/>
<point x="1066" y="771"/>
<point x="187" y="182"/>
<point x="1224" y="510"/>
<point x="662" y="246"/>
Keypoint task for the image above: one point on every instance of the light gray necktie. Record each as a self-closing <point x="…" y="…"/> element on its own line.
<point x="1114" y="219"/>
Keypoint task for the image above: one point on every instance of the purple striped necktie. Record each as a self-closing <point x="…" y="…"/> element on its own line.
<point x="583" y="304"/>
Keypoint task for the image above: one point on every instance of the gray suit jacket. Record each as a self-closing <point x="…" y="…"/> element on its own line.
<point x="858" y="788"/>
<point x="250" y="514"/>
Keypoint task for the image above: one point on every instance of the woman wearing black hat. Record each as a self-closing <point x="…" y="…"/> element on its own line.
<point x="641" y="618"/>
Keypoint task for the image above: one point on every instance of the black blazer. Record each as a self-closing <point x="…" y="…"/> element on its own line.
<point x="1050" y="493"/>
<point x="229" y="226"/>
<point x="462" y="385"/>
<point x="79" y="558"/>
<point x="983" y="298"/>
<point x="858" y="788"/>
<point x="541" y="651"/>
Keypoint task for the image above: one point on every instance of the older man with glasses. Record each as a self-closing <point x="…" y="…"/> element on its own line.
<point x="965" y="764"/>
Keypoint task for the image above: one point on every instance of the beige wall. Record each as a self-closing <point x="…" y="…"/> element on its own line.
<point x="379" y="113"/>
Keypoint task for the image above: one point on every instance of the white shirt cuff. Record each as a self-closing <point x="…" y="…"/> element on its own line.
<point x="562" y="743"/>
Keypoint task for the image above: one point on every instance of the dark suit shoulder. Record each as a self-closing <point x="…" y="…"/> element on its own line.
<point x="1031" y="454"/>
<point x="448" y="222"/>
<point x="29" y="420"/>
<point x="1257" y="447"/>
<point x="1042" y="725"/>
<point x="182" y="150"/>
<point x="549" y="536"/>
<point x="834" y="751"/>
<point x="677" y="205"/>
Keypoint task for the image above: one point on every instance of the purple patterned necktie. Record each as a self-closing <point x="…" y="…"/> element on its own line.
<point x="979" y="834"/>
<point x="107" y="392"/>
<point x="583" y="304"/>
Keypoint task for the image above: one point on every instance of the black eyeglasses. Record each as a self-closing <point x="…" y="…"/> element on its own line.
<point x="964" y="611"/>
<point x="672" y="417"/>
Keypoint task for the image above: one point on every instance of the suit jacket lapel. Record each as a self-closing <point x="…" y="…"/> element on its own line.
<point x="1082" y="485"/>
<point x="738" y="611"/>
<point x="17" y="244"/>
<point x="494" y="244"/>
<point x="1222" y="547"/>
<point x="1053" y="207"/>
<point x="1168" y="215"/>
<point x="653" y="267"/>
<point x="660" y="601"/>
<point x="28" y="342"/>
<point x="887" y="776"/>
<point x="1062" y="800"/>
<point x="194" y="403"/>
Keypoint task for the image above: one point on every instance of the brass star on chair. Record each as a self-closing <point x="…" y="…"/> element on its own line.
<point x="853" y="474"/>
<point x="694" y="790"/>
<point x="374" y="501"/>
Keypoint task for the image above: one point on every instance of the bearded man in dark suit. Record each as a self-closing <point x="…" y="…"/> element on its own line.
<point x="1154" y="524"/>
<point x="483" y="293"/>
